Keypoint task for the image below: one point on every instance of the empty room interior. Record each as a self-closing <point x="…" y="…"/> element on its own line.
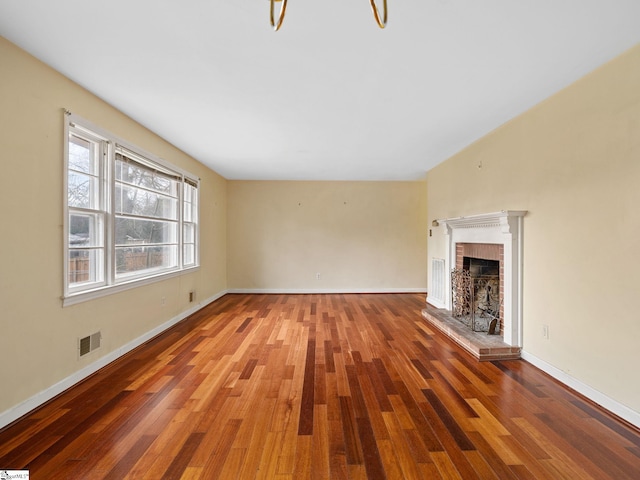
<point x="347" y="248"/>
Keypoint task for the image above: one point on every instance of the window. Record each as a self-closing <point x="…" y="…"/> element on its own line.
<point x="131" y="217"/>
<point x="86" y="210"/>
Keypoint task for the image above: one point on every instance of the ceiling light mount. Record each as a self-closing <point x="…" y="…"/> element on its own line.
<point x="276" y="24"/>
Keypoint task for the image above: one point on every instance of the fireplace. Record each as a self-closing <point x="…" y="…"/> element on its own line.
<point x="487" y="238"/>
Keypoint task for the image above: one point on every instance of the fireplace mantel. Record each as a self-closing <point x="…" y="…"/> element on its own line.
<point x="506" y="220"/>
<point x="502" y="228"/>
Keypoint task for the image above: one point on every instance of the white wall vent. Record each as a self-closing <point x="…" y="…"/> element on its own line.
<point x="437" y="289"/>
<point x="90" y="343"/>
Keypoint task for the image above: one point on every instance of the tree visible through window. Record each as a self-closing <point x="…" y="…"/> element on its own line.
<point x="146" y="220"/>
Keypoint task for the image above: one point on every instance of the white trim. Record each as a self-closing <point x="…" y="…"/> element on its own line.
<point x="300" y="291"/>
<point x="14" y="413"/>
<point x="65" y="203"/>
<point x="591" y="393"/>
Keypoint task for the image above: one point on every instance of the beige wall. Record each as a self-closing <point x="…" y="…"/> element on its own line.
<point x="360" y="236"/>
<point x="574" y="163"/>
<point x="38" y="337"/>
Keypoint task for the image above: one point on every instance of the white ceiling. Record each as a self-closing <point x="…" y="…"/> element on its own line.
<point x="330" y="96"/>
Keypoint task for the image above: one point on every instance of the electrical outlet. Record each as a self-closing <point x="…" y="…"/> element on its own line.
<point x="545" y="331"/>
<point x="163" y="301"/>
<point x="318" y="276"/>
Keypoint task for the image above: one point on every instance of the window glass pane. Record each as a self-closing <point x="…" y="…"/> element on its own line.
<point x="85" y="230"/>
<point x="189" y="254"/>
<point x="82" y="190"/>
<point x="136" y="201"/>
<point x="190" y="202"/>
<point x="189" y="193"/>
<point x="188" y="213"/>
<point x="194" y="206"/>
<point x="85" y="266"/>
<point x="136" y="231"/>
<point x="136" y="259"/>
<point x="82" y="155"/>
<point x="129" y="171"/>
<point x="188" y="235"/>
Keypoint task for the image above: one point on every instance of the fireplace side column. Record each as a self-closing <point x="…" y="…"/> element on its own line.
<point x="449" y="262"/>
<point x="512" y="231"/>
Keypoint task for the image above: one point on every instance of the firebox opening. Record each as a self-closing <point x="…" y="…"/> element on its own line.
<point x="481" y="267"/>
<point x="486" y="295"/>
<point x="476" y="294"/>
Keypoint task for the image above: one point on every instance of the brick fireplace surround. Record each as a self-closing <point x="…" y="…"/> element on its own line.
<point x="493" y="236"/>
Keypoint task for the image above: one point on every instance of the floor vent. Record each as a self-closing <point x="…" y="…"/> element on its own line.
<point x="438" y="280"/>
<point x="90" y="343"/>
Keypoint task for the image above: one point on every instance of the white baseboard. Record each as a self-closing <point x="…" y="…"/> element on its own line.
<point x="592" y="394"/>
<point x="319" y="291"/>
<point x="40" y="398"/>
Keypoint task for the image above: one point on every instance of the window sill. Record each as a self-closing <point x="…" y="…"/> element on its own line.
<point x="80" y="297"/>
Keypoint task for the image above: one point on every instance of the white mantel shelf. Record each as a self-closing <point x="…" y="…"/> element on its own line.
<point x="483" y="220"/>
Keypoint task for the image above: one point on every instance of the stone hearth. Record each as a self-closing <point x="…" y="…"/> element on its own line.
<point x="482" y="346"/>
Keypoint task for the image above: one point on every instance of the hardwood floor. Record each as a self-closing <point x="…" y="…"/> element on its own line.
<point x="317" y="386"/>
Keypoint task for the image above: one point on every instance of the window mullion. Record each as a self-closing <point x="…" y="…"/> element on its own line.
<point x="181" y="223"/>
<point x="133" y="245"/>
<point x="85" y="210"/>
<point x="109" y="200"/>
<point x="151" y="190"/>
<point x="196" y="225"/>
<point x="146" y="217"/>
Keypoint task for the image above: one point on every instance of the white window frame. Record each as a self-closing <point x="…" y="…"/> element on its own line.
<point x="110" y="283"/>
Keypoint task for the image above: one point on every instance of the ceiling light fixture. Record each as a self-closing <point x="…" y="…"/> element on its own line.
<point x="276" y="24"/>
<point x="283" y="8"/>
<point x="376" y="14"/>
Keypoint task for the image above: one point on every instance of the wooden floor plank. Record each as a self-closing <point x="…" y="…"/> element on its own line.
<point x="345" y="386"/>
